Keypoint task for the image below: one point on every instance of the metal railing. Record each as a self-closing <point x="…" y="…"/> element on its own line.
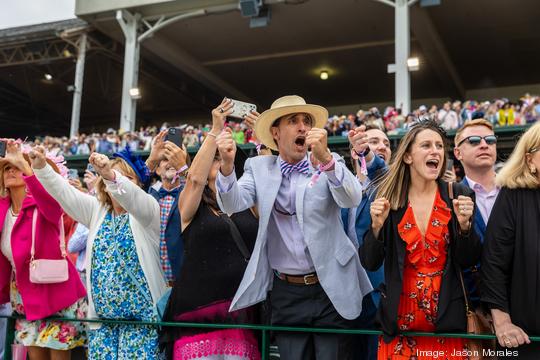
<point x="265" y="329"/>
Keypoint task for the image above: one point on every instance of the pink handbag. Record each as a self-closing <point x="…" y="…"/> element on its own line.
<point x="45" y="271"/>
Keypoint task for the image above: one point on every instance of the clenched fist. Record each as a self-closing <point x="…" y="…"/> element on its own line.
<point x="227" y="150"/>
<point x="463" y="208"/>
<point x="379" y="210"/>
<point x="317" y="139"/>
<point x="37" y="157"/>
<point x="102" y="164"/>
<point x="359" y="139"/>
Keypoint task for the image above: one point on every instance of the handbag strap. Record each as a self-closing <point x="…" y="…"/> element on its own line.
<point x="465" y="295"/>
<point x="451" y="190"/>
<point x="237" y="237"/>
<point x="62" y="236"/>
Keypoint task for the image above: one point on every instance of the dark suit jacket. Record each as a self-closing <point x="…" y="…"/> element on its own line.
<point x="464" y="251"/>
<point x="471" y="275"/>
<point x="173" y="235"/>
<point x="479" y="224"/>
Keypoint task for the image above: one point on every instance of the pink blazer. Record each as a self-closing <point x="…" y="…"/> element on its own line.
<point x="39" y="300"/>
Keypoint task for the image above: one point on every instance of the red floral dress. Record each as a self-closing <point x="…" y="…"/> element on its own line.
<point x="419" y="300"/>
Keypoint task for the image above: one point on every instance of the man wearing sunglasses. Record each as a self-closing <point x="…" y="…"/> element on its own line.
<point x="476" y="148"/>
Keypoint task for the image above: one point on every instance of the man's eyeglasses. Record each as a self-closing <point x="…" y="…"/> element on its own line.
<point x="476" y="140"/>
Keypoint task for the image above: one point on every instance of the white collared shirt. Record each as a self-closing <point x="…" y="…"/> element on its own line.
<point x="484" y="199"/>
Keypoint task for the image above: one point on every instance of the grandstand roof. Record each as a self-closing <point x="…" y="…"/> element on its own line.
<point x="38" y="32"/>
<point x="462" y="46"/>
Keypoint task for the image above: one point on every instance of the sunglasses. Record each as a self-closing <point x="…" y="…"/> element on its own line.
<point x="476" y="140"/>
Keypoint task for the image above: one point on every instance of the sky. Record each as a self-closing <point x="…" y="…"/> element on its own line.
<point x="15" y="13"/>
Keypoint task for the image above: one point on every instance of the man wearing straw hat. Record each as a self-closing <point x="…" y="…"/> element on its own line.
<point x="302" y="253"/>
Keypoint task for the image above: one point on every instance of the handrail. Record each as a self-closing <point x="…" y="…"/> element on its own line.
<point x="263" y="328"/>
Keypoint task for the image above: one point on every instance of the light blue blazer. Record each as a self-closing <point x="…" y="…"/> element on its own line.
<point x="318" y="211"/>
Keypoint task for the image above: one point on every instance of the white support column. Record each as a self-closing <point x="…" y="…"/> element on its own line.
<point x="402" y="49"/>
<point x="78" y="86"/>
<point x="129" y="24"/>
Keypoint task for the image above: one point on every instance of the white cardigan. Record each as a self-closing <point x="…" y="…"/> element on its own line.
<point x="144" y="221"/>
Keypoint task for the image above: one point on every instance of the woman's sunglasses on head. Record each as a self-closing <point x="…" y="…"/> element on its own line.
<point x="476" y="140"/>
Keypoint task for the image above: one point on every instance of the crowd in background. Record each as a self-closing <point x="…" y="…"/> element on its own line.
<point x="451" y="116"/>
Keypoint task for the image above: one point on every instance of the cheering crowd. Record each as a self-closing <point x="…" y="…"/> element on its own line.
<point x="451" y="116"/>
<point x="290" y="237"/>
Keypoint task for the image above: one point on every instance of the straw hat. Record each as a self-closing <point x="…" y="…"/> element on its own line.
<point x="287" y="105"/>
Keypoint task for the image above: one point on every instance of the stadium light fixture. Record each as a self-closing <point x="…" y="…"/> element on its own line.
<point x="135" y="93"/>
<point x="324" y="75"/>
<point x="48" y="77"/>
<point x="413" y="64"/>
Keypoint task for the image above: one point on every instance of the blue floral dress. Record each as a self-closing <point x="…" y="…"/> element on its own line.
<point x="120" y="291"/>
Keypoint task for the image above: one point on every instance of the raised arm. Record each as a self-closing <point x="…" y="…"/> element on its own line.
<point x="344" y="186"/>
<point x="46" y="205"/>
<point x="78" y="205"/>
<point x="234" y="196"/>
<point x="372" y="250"/>
<point x="191" y="196"/>
<point x="468" y="247"/>
<point x="141" y="205"/>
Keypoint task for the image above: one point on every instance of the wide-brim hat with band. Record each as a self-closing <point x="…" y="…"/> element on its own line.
<point x="287" y="105"/>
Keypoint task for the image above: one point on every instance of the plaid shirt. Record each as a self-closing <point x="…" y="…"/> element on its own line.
<point x="165" y="206"/>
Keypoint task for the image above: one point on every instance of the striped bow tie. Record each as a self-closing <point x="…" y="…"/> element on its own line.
<point x="302" y="167"/>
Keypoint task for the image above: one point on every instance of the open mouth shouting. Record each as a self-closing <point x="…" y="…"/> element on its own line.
<point x="300" y="142"/>
<point x="433" y="164"/>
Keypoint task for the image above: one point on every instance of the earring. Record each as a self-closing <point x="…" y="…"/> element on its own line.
<point x="533" y="170"/>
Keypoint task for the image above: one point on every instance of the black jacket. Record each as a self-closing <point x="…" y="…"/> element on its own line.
<point x="464" y="251"/>
<point x="510" y="269"/>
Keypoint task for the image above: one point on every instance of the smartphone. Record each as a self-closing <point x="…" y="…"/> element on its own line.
<point x="175" y="135"/>
<point x="73" y="174"/>
<point x="90" y="168"/>
<point x="450" y="164"/>
<point x="3" y="148"/>
<point x="241" y="109"/>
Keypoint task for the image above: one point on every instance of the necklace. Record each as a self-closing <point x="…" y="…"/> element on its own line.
<point x="13" y="213"/>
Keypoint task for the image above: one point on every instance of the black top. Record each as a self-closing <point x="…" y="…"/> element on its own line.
<point x="464" y="251"/>
<point x="213" y="265"/>
<point x="510" y="270"/>
<point x="211" y="272"/>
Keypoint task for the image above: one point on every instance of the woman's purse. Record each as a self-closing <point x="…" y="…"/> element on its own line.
<point x="45" y="271"/>
<point x="478" y="322"/>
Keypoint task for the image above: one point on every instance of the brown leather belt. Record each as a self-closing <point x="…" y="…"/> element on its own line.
<point x="308" y="279"/>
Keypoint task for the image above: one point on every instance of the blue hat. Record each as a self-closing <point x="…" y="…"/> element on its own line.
<point x="136" y="163"/>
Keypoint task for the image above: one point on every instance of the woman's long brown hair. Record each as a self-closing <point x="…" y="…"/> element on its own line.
<point x="394" y="185"/>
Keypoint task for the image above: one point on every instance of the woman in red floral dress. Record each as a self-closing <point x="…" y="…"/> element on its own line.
<point x="423" y="238"/>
